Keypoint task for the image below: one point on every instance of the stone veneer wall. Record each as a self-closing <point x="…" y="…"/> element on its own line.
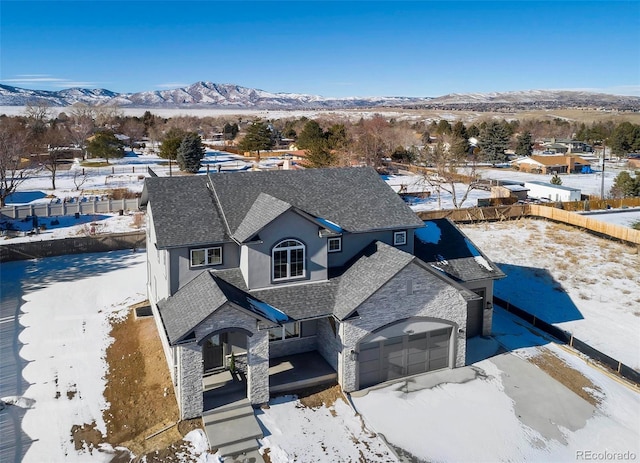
<point x="258" y="366"/>
<point x="190" y="380"/>
<point x="292" y="346"/>
<point x="329" y="344"/>
<point x="430" y="297"/>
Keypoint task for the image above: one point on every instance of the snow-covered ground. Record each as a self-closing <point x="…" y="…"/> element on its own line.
<point x="584" y="284"/>
<point x="69" y="301"/>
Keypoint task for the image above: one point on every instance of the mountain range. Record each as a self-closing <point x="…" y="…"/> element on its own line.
<point x="213" y="95"/>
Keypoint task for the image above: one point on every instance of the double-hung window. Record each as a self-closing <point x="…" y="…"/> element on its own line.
<point x="206" y="256"/>
<point x="288" y="260"/>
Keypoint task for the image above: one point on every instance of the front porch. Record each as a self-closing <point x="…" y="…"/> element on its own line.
<point x="293" y="372"/>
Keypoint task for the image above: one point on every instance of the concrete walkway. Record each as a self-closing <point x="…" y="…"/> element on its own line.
<point x="233" y="430"/>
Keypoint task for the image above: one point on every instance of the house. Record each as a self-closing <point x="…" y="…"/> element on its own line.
<point x="565" y="145"/>
<point x="551" y="192"/>
<point x="551" y="164"/>
<point x="247" y="268"/>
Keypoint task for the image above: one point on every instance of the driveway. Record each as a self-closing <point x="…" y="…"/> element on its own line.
<point x="504" y="408"/>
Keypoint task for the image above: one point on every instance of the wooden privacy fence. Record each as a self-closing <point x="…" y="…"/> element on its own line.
<point x="590" y="223"/>
<point x="568" y="338"/>
<point x="105" y="206"/>
<point x="516" y="211"/>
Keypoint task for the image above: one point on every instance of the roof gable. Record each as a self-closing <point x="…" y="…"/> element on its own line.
<point x="201" y="297"/>
<point x="263" y="211"/>
<point x="376" y="265"/>
<point x="184" y="212"/>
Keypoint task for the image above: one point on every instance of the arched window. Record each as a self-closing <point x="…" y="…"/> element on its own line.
<point x="287" y="259"/>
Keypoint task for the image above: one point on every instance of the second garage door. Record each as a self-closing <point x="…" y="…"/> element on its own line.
<point x="385" y="359"/>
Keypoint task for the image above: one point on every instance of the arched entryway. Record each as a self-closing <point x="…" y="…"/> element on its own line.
<point x="405" y="348"/>
<point x="224" y="367"/>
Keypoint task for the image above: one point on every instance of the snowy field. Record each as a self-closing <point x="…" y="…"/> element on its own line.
<point x="584" y="284"/>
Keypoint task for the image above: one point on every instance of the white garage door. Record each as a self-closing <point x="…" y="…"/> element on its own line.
<point x="381" y="360"/>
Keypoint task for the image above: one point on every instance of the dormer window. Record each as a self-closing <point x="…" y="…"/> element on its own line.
<point x="400" y="238"/>
<point x="288" y="260"/>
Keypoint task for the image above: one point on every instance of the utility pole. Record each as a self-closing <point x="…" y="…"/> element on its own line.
<point x="604" y="150"/>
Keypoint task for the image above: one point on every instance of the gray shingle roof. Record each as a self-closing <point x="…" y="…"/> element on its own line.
<point x="201" y="297"/>
<point x="442" y="245"/>
<point x="263" y="211"/>
<point x="340" y="295"/>
<point x="184" y="212"/>
<point x="355" y="198"/>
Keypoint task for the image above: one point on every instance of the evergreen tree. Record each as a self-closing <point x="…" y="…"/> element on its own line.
<point x="105" y="145"/>
<point x="493" y="141"/>
<point x="337" y="137"/>
<point x="257" y="138"/>
<point x="556" y="180"/>
<point x="319" y="155"/>
<point x="310" y="136"/>
<point x="190" y="153"/>
<point x="171" y="142"/>
<point x="444" y="128"/>
<point x="626" y="186"/>
<point x="525" y="145"/>
<point x="625" y="138"/>
<point x="229" y="131"/>
<point x="459" y="130"/>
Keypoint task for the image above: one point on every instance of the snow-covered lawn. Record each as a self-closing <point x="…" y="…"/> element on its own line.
<point x="298" y="433"/>
<point x="584" y="284"/>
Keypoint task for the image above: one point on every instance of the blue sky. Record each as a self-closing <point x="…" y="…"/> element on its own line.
<point x="363" y="48"/>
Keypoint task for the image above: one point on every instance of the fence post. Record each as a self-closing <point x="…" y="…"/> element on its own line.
<point x="619" y="365"/>
<point x="571" y="341"/>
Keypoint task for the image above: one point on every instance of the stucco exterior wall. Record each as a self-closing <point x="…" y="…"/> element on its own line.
<point x="180" y="263"/>
<point x="352" y="243"/>
<point x="157" y="271"/>
<point x="257" y="273"/>
<point x="430" y="296"/>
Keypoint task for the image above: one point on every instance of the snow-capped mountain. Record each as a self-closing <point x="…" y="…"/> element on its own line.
<point x="213" y="95"/>
<point x="198" y="95"/>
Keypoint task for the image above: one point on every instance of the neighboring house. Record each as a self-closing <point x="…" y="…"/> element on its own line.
<point x="248" y="267"/>
<point x="551" y="164"/>
<point x="551" y="192"/>
<point x="565" y="145"/>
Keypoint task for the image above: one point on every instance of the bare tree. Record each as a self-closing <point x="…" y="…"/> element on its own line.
<point x="80" y="126"/>
<point x="55" y="148"/>
<point x="134" y="129"/>
<point x="447" y="163"/>
<point x="14" y="157"/>
<point x="79" y="178"/>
